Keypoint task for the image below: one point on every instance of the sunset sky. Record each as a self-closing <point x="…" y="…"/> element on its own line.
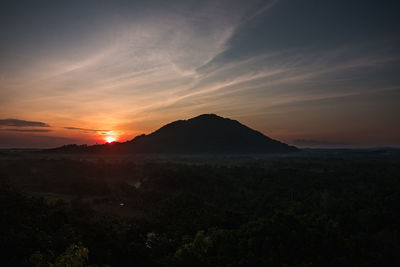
<point x="310" y="72"/>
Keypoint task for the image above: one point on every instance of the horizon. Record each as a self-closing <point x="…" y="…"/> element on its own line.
<point x="99" y="71"/>
<point x="299" y="143"/>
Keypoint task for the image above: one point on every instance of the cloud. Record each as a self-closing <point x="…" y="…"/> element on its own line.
<point x="88" y="130"/>
<point x="225" y="57"/>
<point x="22" y="123"/>
<point x="26" y="130"/>
<point x="274" y="81"/>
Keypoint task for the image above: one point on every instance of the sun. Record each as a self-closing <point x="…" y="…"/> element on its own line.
<point x="110" y="139"/>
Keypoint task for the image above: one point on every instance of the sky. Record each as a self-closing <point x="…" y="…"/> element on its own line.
<point x="310" y="72"/>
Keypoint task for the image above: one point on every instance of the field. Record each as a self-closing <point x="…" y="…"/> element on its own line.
<point x="310" y="208"/>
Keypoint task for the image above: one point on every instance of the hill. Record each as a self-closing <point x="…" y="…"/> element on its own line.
<point x="204" y="134"/>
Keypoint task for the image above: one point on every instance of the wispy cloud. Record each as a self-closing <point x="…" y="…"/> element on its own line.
<point x="188" y="59"/>
<point x="22" y="123"/>
<point x="26" y="130"/>
<point x="266" y="74"/>
<point x="88" y="130"/>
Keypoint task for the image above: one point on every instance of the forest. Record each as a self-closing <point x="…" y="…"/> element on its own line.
<point x="309" y="208"/>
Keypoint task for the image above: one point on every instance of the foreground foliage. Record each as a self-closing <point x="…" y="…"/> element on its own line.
<point x="315" y="209"/>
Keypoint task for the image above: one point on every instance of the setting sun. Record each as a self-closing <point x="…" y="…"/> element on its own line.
<point x="110" y="139"/>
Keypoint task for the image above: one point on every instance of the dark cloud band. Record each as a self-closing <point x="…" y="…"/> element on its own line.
<point x="26" y="130"/>
<point x="22" y="123"/>
<point x="86" y="130"/>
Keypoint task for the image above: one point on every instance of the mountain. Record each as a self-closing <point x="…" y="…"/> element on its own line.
<point x="205" y="134"/>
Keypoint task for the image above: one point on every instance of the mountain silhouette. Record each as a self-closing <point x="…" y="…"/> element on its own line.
<point x="204" y="134"/>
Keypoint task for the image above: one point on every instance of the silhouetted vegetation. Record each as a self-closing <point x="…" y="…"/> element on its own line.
<point x="314" y="208"/>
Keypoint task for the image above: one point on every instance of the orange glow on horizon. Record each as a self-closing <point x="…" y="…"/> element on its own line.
<point x="110" y="139"/>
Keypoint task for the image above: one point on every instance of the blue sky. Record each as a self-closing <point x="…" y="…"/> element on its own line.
<point x="323" y="71"/>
